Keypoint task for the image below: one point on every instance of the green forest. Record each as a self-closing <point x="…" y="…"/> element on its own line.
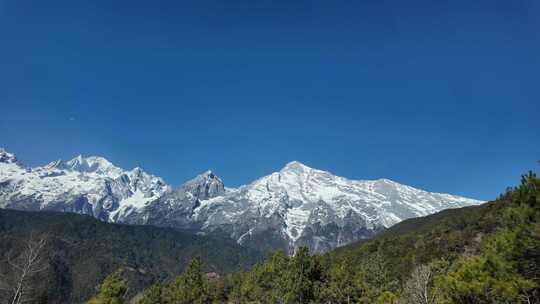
<point x="481" y="254"/>
<point x="80" y="251"/>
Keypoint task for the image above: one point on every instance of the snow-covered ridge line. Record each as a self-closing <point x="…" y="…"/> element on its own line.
<point x="318" y="209"/>
<point x="89" y="185"/>
<point x="295" y="206"/>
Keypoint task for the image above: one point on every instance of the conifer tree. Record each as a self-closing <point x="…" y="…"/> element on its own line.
<point x="153" y="295"/>
<point x="189" y="288"/>
<point x="112" y="291"/>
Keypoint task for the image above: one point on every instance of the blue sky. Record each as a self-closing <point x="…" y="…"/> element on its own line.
<point x="439" y="95"/>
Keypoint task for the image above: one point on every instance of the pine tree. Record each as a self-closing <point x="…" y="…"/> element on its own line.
<point x="153" y="295"/>
<point x="300" y="280"/>
<point x="112" y="291"/>
<point x="190" y="287"/>
<point x="341" y="286"/>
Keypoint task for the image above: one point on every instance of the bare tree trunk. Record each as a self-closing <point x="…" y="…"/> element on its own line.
<point x="417" y="288"/>
<point x="25" y="266"/>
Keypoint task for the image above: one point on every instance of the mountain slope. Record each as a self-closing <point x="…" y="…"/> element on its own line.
<point x="297" y="206"/>
<point x="81" y="251"/>
<point x="481" y="253"/>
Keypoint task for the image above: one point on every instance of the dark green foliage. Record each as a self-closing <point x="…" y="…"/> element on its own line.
<point x="190" y="287"/>
<point x="113" y="290"/>
<point x="343" y="285"/>
<point x="153" y="295"/>
<point x="506" y="270"/>
<point x="81" y="251"/>
<point x="387" y="297"/>
<point x="301" y="279"/>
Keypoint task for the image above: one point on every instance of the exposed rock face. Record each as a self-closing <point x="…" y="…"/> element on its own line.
<point x="176" y="208"/>
<point x="6" y="157"/>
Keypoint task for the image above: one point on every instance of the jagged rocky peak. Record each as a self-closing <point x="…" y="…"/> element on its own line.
<point x="95" y="164"/>
<point x="6" y="157"/>
<point x="137" y="170"/>
<point x="54" y="164"/>
<point x="205" y="186"/>
<point x="76" y="162"/>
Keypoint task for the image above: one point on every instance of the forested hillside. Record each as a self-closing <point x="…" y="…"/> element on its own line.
<point x="483" y="254"/>
<point x="79" y="251"/>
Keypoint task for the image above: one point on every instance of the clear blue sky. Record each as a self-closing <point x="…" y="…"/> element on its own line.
<point x="441" y="95"/>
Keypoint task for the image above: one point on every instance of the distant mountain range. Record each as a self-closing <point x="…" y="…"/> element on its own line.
<point x="297" y="206"/>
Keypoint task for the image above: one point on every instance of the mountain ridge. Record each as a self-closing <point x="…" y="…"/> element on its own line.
<point x="295" y="206"/>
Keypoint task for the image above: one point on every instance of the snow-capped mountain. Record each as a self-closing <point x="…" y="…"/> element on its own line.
<point x="86" y="185"/>
<point x="297" y="206"/>
<point x="302" y="206"/>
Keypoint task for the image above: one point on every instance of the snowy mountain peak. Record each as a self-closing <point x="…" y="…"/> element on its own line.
<point x="206" y="176"/>
<point x="94" y="164"/>
<point x="208" y="173"/>
<point x="295" y="166"/>
<point x="137" y="171"/>
<point x="6" y="157"/>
